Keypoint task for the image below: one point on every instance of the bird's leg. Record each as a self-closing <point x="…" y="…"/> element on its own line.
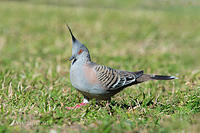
<point x="85" y="101"/>
<point x="108" y="102"/>
<point x="109" y="107"/>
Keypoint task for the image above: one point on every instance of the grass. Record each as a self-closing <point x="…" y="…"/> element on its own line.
<point x="160" y="38"/>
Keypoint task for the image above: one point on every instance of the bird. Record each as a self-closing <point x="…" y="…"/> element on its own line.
<point x="100" y="82"/>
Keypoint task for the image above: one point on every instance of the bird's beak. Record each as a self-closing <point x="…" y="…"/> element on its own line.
<point x="71" y="58"/>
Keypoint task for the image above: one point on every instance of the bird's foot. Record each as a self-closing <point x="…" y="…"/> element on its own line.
<point x="77" y="106"/>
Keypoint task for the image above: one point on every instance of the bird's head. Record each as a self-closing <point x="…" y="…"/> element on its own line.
<point x="79" y="51"/>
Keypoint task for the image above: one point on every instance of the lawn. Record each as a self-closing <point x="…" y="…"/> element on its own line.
<point x="159" y="37"/>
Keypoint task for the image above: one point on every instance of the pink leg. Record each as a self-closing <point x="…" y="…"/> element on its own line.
<point x="77" y="106"/>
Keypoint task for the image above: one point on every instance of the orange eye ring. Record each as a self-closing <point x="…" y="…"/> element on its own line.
<point x="80" y="51"/>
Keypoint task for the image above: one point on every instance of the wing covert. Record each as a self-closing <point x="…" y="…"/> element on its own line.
<point x="113" y="79"/>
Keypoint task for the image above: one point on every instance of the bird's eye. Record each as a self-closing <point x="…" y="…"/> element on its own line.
<point x="80" y="51"/>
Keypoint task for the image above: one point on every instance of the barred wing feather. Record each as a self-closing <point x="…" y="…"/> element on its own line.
<point x="113" y="79"/>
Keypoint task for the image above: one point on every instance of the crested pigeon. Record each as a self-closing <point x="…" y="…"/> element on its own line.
<point x="98" y="81"/>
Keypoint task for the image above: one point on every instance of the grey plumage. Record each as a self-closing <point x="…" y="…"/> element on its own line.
<point x="98" y="81"/>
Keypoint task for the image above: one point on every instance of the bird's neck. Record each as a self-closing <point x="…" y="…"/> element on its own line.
<point x="84" y="59"/>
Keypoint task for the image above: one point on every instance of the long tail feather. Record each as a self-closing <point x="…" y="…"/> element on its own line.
<point x="161" y="77"/>
<point x="146" y="77"/>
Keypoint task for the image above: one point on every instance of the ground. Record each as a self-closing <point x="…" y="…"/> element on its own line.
<point x="159" y="37"/>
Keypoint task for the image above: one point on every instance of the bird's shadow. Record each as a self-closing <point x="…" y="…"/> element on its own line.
<point x="122" y="106"/>
<point x="119" y="105"/>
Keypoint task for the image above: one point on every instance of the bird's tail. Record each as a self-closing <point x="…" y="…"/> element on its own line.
<point x="161" y="77"/>
<point x="146" y="77"/>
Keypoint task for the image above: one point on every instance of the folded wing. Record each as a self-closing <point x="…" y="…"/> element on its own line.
<point x="113" y="79"/>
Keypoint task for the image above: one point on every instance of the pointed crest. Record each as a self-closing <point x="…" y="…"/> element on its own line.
<point x="73" y="38"/>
